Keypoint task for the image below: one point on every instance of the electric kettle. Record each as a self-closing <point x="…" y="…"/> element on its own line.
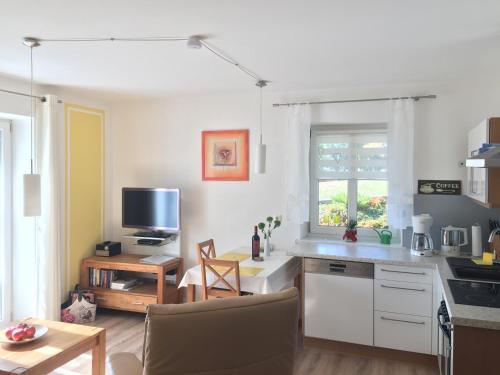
<point x="451" y="239"/>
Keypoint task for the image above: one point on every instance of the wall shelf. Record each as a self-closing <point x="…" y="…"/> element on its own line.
<point x="164" y="241"/>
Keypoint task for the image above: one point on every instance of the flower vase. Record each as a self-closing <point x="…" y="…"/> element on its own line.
<point x="267" y="247"/>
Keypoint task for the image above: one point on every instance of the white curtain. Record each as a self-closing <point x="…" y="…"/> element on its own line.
<point x="297" y="163"/>
<point x="400" y="145"/>
<point x="49" y="148"/>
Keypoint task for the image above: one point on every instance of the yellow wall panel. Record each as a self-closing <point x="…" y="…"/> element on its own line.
<point x="84" y="185"/>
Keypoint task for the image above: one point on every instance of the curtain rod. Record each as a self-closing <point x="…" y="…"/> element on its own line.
<point x="42" y="98"/>
<point x="417" y="97"/>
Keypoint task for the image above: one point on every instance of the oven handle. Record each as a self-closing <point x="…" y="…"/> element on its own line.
<point x="443" y="325"/>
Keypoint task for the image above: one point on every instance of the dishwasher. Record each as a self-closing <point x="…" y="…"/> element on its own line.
<point x="338" y="300"/>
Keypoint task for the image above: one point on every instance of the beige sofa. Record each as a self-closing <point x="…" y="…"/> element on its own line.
<point x="243" y="335"/>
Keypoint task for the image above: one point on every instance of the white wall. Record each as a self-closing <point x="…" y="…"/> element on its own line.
<point x="157" y="143"/>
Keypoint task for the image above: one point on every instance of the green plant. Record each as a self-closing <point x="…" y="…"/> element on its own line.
<point x="352" y="224"/>
<point x="371" y="211"/>
<point x="270" y="225"/>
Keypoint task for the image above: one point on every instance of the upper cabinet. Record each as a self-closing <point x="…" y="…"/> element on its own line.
<point x="483" y="184"/>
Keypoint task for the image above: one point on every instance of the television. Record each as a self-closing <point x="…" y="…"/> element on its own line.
<point x="151" y="209"/>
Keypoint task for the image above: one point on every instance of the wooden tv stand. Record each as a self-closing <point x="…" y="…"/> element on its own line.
<point x="154" y="291"/>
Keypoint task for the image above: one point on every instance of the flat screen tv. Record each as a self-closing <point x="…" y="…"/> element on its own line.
<point x="152" y="209"/>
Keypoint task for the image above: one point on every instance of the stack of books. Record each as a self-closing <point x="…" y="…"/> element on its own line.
<point x="101" y="278"/>
<point x="156" y="259"/>
<point x="124" y="284"/>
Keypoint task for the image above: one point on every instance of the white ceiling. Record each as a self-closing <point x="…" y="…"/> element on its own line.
<point x="297" y="45"/>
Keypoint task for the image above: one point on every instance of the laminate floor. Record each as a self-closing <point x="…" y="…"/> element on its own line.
<point x="124" y="333"/>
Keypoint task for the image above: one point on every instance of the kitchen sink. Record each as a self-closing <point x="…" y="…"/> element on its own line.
<point x="464" y="268"/>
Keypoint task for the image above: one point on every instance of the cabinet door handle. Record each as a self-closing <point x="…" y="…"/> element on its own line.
<point x="397" y="287"/>
<point x="401" y="320"/>
<point x="137" y="303"/>
<point x="408" y="272"/>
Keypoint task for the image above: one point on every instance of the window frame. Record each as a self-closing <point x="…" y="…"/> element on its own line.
<point x="364" y="234"/>
<point x="6" y="220"/>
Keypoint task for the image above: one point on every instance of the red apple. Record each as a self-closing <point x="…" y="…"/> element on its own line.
<point x="8" y="332"/>
<point x="18" y="334"/>
<point x="30" y="332"/>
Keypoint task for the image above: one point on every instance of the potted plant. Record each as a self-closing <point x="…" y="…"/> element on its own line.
<point x="351" y="232"/>
<point x="267" y="229"/>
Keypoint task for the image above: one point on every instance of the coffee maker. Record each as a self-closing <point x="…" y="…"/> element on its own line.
<point x="421" y="241"/>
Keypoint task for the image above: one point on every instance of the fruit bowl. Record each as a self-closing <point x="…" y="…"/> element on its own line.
<point x="39" y="332"/>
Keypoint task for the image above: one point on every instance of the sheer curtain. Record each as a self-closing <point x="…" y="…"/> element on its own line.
<point x="5" y="222"/>
<point x="297" y="163"/>
<point x="400" y="145"/>
<point x="49" y="148"/>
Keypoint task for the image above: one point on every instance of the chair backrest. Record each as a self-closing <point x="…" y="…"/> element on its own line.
<point x="248" y="335"/>
<point x="206" y="249"/>
<point x="222" y="286"/>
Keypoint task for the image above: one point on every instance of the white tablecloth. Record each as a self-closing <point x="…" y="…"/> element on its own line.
<point x="278" y="273"/>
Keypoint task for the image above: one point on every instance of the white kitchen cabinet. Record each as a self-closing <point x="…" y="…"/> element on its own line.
<point x="476" y="177"/>
<point x="403" y="297"/>
<point x="402" y="273"/>
<point x="338" y="308"/>
<point x="403" y="332"/>
<point x="403" y="301"/>
<point x="481" y="182"/>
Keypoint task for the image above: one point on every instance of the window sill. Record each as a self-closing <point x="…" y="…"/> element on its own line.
<point x="314" y="237"/>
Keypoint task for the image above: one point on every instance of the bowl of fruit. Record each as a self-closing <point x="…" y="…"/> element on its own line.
<point x="22" y="333"/>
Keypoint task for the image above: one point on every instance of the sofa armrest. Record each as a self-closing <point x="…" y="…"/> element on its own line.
<point x="123" y="364"/>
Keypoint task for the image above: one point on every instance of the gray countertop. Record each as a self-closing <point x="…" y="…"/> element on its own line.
<point x="464" y="315"/>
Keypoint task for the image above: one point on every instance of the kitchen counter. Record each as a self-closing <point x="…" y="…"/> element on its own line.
<point x="463" y="315"/>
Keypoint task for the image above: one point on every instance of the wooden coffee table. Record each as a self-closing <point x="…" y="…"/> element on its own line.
<point x="62" y="343"/>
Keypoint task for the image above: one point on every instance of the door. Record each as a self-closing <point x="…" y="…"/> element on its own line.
<point x="5" y="221"/>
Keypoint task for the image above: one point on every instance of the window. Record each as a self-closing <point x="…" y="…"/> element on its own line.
<point x="5" y="220"/>
<point x="348" y="178"/>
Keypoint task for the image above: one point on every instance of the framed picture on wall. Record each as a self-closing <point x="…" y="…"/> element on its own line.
<point x="224" y="155"/>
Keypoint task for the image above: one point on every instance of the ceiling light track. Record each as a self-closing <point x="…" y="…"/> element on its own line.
<point x="193" y="42"/>
<point x="152" y="39"/>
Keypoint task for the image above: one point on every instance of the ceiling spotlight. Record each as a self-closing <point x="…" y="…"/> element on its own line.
<point x="194" y="42"/>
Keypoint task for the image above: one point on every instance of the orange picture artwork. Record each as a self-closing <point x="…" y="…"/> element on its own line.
<point x="224" y="155"/>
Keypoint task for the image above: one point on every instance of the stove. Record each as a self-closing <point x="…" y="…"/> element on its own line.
<point x="475" y="293"/>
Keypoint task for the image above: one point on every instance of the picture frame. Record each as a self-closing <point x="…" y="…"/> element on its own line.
<point x="225" y="155"/>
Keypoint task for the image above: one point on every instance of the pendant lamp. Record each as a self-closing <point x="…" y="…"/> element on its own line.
<point x="260" y="149"/>
<point x="31" y="182"/>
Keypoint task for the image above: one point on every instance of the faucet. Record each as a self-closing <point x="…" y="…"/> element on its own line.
<point x="493" y="234"/>
<point x="491" y="238"/>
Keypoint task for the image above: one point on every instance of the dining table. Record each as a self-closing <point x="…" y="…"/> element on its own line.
<point x="272" y="274"/>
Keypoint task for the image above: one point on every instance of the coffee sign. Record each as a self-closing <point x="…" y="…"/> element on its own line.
<point x="440" y="187"/>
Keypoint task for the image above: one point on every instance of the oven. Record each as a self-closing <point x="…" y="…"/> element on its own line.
<point x="445" y="344"/>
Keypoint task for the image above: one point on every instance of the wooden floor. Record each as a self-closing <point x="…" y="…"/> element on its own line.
<point x="124" y="333"/>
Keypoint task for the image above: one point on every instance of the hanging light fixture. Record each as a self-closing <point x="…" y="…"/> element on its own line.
<point x="260" y="149"/>
<point x="31" y="182"/>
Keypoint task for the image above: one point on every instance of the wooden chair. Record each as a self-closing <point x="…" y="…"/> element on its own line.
<point x="206" y="249"/>
<point x="213" y="290"/>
